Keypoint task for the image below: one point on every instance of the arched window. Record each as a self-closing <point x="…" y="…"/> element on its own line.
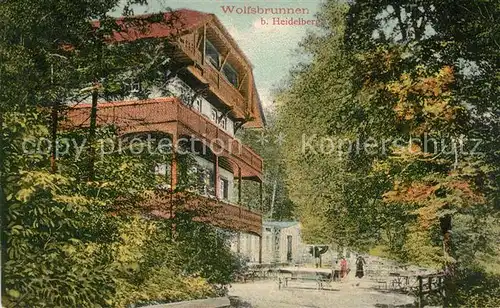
<point x="223" y="123"/>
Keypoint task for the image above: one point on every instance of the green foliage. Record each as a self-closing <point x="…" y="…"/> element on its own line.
<point x="266" y="142"/>
<point x="67" y="248"/>
<point x="70" y="239"/>
<point x="154" y="267"/>
<point x="334" y="202"/>
<point x="406" y="72"/>
<point x="477" y="289"/>
<point x="50" y="261"/>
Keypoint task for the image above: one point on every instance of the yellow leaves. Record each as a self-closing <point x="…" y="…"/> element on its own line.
<point x="33" y="181"/>
<point x="428" y="215"/>
<point x="408" y="154"/>
<point x="24" y="194"/>
<point x="380" y="166"/>
<point x="124" y="166"/>
<point x="434" y="107"/>
<point x="423" y="99"/>
<point x="69" y="249"/>
<point x="420" y="248"/>
<point x="447" y="75"/>
<point x="13" y="293"/>
<point x="424" y="193"/>
<point x="76" y="201"/>
<point x="465" y="192"/>
<point x="134" y="235"/>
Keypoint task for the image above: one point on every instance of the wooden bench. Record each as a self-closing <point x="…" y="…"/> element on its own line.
<point x="319" y="278"/>
<point x="218" y="302"/>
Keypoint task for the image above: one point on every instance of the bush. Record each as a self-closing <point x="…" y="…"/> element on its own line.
<point x="155" y="267"/>
<point x="162" y="286"/>
<point x="476" y="288"/>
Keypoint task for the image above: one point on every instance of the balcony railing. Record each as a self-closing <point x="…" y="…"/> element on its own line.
<point x="169" y="115"/>
<point x="237" y="217"/>
<point x="219" y="213"/>
<point x="204" y="127"/>
<point x="161" y="115"/>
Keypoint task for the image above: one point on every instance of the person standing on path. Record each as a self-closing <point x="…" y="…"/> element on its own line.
<point x="343" y="268"/>
<point x="360" y="263"/>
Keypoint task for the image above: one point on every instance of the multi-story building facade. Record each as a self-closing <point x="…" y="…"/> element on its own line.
<point x="210" y="60"/>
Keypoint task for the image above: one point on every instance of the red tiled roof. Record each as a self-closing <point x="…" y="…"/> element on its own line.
<point x="175" y="22"/>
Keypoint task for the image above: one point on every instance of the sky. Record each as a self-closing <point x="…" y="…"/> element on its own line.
<point x="269" y="47"/>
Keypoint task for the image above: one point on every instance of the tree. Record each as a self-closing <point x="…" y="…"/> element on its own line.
<point x="267" y="142"/>
<point x="42" y="48"/>
<point x="70" y="235"/>
<point x="421" y="75"/>
<point x="331" y="195"/>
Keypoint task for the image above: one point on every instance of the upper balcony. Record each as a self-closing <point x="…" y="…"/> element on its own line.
<point x="210" y="64"/>
<point x="219" y="85"/>
<point x="169" y="115"/>
<point x="210" y="54"/>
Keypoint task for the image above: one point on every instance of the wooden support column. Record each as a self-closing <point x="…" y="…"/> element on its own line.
<point x="216" y="175"/>
<point x="261" y="193"/>
<point x="173" y="163"/>
<point x="173" y="178"/>
<point x="204" y="44"/>
<point x="239" y="185"/>
<point x="250" y="94"/>
<point x="238" y="242"/>
<point x="239" y="207"/>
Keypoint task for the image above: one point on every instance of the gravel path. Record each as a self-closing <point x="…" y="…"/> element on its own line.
<point x="265" y="294"/>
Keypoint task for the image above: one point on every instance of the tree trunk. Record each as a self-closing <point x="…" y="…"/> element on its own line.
<point x="449" y="267"/>
<point x="54" y="124"/>
<point x="273" y="198"/>
<point x="92" y="133"/>
<point x="3" y="207"/>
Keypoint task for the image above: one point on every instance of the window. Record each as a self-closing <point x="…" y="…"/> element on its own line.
<point x="230" y="74"/>
<point x="212" y="54"/>
<point x="213" y="115"/>
<point x="197" y="104"/>
<point x="223" y="123"/>
<point x="224" y="189"/>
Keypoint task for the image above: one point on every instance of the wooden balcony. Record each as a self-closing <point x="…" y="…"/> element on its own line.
<point x="233" y="217"/>
<point x="222" y="88"/>
<point x="170" y="116"/>
<point x="219" y="213"/>
<point x="196" y="123"/>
